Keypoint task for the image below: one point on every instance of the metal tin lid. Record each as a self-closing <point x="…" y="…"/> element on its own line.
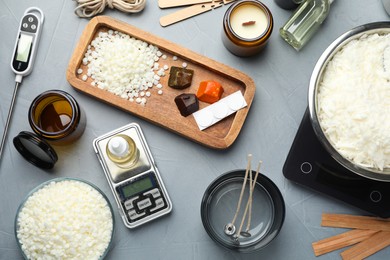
<point x="35" y="150"/>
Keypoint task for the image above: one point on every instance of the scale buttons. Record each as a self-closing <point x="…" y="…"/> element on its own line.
<point x="306" y="167"/>
<point x="375" y="196"/>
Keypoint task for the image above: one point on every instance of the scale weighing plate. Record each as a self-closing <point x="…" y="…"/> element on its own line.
<point x="309" y="164"/>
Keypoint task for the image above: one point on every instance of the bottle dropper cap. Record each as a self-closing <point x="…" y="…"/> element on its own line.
<point x="122" y="150"/>
<point x="118" y="147"/>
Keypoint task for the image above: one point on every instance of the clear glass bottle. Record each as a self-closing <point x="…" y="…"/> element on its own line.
<point x="122" y="150"/>
<point x="304" y="22"/>
<point x="288" y="4"/>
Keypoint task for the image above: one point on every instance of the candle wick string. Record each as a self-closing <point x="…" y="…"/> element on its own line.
<point x="249" y="205"/>
<point x="242" y="188"/>
<point x="248" y="23"/>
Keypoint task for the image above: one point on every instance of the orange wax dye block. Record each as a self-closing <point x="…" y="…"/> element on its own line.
<point x="209" y="91"/>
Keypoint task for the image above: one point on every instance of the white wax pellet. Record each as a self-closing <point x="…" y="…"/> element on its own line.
<point x="110" y="52"/>
<point x="55" y="222"/>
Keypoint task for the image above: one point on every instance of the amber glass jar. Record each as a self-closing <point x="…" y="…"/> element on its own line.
<point x="247" y="26"/>
<point x="57" y="117"/>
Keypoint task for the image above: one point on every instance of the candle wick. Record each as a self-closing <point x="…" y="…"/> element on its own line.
<point x="248" y="23"/>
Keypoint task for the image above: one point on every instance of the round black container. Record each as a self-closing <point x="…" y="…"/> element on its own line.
<point x="219" y="205"/>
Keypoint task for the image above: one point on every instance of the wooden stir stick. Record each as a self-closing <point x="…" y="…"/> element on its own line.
<point x="342" y="240"/>
<point x="369" y="235"/>
<point x="367" y="247"/>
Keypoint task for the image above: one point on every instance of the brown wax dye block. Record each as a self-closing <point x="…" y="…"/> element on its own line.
<point x="187" y="104"/>
<point x="180" y="78"/>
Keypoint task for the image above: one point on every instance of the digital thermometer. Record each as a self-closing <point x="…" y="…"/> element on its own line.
<point x="24" y="53"/>
<point x="27" y="41"/>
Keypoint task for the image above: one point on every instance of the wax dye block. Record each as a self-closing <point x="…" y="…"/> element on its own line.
<point x="209" y="91"/>
<point x="180" y="78"/>
<point x="187" y="104"/>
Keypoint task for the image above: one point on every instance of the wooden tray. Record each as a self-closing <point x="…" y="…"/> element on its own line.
<point x="161" y="109"/>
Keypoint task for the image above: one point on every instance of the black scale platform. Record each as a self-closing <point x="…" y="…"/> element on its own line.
<point x="309" y="164"/>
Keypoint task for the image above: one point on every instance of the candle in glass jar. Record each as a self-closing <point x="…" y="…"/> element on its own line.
<point x="248" y="21"/>
<point x="247" y="25"/>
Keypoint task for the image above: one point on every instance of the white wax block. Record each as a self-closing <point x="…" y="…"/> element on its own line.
<point x="219" y="110"/>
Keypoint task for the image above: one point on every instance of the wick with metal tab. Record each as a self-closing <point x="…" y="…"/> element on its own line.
<point x="230" y="228"/>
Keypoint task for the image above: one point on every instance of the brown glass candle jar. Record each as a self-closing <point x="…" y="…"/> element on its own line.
<point x="57" y="117"/>
<point x="247" y="26"/>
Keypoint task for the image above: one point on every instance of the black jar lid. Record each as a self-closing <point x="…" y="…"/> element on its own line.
<point x="35" y="150"/>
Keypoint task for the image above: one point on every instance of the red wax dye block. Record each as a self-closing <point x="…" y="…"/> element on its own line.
<point x="209" y="91"/>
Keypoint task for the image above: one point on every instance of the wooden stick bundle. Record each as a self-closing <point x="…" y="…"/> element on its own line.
<point x="368" y="235"/>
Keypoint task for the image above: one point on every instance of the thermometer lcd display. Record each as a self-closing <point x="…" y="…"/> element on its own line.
<point x="24" y="47"/>
<point x="137" y="187"/>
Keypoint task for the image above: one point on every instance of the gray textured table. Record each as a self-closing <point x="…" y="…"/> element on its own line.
<point x="281" y="75"/>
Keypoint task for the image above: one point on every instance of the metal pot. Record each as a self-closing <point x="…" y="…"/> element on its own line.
<point x="316" y="78"/>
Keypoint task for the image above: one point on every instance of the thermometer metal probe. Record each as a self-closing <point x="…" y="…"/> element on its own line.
<point x="25" y="49"/>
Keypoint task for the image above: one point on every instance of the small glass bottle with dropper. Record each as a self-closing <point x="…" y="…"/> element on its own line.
<point x="304" y="22"/>
<point x="122" y="150"/>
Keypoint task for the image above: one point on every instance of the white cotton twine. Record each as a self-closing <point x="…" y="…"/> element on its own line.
<point x="89" y="8"/>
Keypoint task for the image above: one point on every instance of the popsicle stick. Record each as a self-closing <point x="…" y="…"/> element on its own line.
<point x="367" y="247"/>
<point x="342" y="240"/>
<point x="351" y="221"/>
<point x="188" y="12"/>
<point x="175" y="3"/>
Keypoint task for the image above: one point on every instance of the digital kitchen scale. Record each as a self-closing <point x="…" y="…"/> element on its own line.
<point x="309" y="164"/>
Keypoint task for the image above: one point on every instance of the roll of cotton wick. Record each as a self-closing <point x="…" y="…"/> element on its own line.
<point x="89" y="8"/>
<point x="247" y="26"/>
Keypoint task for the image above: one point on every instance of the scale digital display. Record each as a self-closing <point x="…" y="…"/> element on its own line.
<point x="137" y="187"/>
<point x="24" y="47"/>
